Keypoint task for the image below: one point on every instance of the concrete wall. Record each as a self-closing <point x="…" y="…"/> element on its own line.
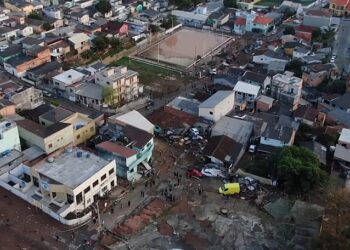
<point x="83" y="134"/>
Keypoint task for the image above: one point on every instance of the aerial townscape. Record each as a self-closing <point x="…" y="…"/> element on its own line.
<point x="175" y="124"/>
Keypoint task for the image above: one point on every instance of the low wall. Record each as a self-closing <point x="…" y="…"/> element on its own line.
<point x="259" y="178"/>
<point x="45" y="209"/>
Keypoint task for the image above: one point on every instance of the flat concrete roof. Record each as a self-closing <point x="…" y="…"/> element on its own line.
<point x="236" y="129"/>
<point x="217" y="98"/>
<point x="71" y="170"/>
<point x="345" y="135"/>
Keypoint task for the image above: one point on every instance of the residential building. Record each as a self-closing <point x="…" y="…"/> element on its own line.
<point x="225" y="80"/>
<point x="122" y="80"/>
<point x="264" y="103"/>
<point x="37" y="75"/>
<point x="53" y="12"/>
<point x="54" y="115"/>
<point x="245" y="95"/>
<point x="278" y="132"/>
<point x="269" y="57"/>
<point x="223" y="150"/>
<point x="293" y="6"/>
<point x="339" y="7"/>
<point x="184" y="104"/>
<point x="304" y="32"/>
<point x="27" y="98"/>
<point x="9" y="137"/>
<point x="67" y="183"/>
<point x="24" y="30"/>
<point x="7" y="108"/>
<point x="117" y="29"/>
<point x="317" y="18"/>
<point x="89" y="94"/>
<point x="315" y="74"/>
<point x="48" y="139"/>
<point x="257" y="79"/>
<point x="190" y="18"/>
<point x="287" y="88"/>
<point x="342" y="102"/>
<point x="21" y="6"/>
<point x="129" y="138"/>
<point x="11" y="52"/>
<point x="301" y="51"/>
<point x="310" y="116"/>
<point x="217" y="106"/>
<point x="253" y="22"/>
<point x="80" y="42"/>
<point x="59" y="49"/>
<point x="19" y="65"/>
<point x="134" y="119"/>
<point x="80" y="16"/>
<point x="66" y="79"/>
<point x="8" y="33"/>
<point x="342" y="149"/>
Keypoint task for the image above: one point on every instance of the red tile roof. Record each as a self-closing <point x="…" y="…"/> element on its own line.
<point x="240" y="21"/>
<point x="340" y="2"/>
<point x="263" y="20"/>
<point x="304" y="28"/>
<point x="118" y="149"/>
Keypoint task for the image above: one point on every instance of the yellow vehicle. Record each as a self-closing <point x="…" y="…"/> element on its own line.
<point x="229" y="189"/>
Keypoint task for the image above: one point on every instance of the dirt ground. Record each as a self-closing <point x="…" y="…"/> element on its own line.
<point x="23" y="226"/>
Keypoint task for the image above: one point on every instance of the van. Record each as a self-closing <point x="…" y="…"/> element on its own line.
<point x="229" y="189"/>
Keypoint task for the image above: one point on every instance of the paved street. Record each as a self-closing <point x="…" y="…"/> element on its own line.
<point x="342" y="44"/>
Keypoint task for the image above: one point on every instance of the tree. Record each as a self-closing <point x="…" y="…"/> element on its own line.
<point x="108" y="95"/>
<point x="35" y="15"/>
<point x="298" y="169"/>
<point x="100" y="43"/>
<point x="47" y="26"/>
<point x="103" y="6"/>
<point x="230" y="3"/>
<point x="289" y="30"/>
<point x="295" y="67"/>
<point x="169" y="22"/>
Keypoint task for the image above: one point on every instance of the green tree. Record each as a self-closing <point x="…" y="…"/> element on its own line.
<point x="298" y="169"/>
<point x="103" y="6"/>
<point x="100" y="43"/>
<point x="169" y="21"/>
<point x="289" y="30"/>
<point x="295" y="67"/>
<point x="230" y="3"/>
<point x="108" y="95"/>
<point x="47" y="26"/>
<point x="35" y="15"/>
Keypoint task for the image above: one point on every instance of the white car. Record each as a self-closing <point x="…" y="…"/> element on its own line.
<point x="212" y="172"/>
<point x="333" y="58"/>
<point x="194" y="131"/>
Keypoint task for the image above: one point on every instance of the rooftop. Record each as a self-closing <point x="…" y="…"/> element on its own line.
<point x="116" y="149"/>
<point x="189" y="15"/>
<point x="78" y="38"/>
<point x="217" y="99"/>
<point x="56" y="115"/>
<point x="240" y="21"/>
<point x="135" y="119"/>
<point x="40" y="130"/>
<point x="90" y="90"/>
<point x="71" y="170"/>
<point x="6" y="125"/>
<point x="265" y="99"/>
<point x="18" y="60"/>
<point x="46" y="68"/>
<point x="236" y="129"/>
<point x="69" y="77"/>
<point x="254" y="77"/>
<point x="263" y="20"/>
<point x="247" y="88"/>
<point x="115" y="73"/>
<point x="184" y="104"/>
<point x="343" y="101"/>
<point x="286" y="78"/>
<point x="345" y="135"/>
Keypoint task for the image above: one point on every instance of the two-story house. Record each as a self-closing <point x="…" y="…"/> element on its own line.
<point x="62" y="81"/>
<point x="246" y="95"/>
<point x="287" y="88"/>
<point x="80" y="42"/>
<point x="340" y="7"/>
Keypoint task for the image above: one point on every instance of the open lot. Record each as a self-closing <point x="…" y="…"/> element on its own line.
<point x="184" y="47"/>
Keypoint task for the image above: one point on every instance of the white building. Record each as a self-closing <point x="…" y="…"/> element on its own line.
<point x="66" y="79"/>
<point x="217" y="106"/>
<point x="287" y="88"/>
<point x="246" y="94"/>
<point x="67" y="183"/>
<point x="342" y="149"/>
<point x="9" y="137"/>
<point x="53" y="12"/>
<point x="135" y="119"/>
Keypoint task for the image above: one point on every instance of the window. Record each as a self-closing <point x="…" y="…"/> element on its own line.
<point x="50" y="145"/>
<point x="111" y="171"/>
<point x="79" y="198"/>
<point x="103" y="177"/>
<point x="78" y="137"/>
<point x="211" y="112"/>
<point x="86" y="190"/>
<point x="70" y="199"/>
<point x="35" y="181"/>
<point x="95" y="183"/>
<point x="112" y="183"/>
<point x="54" y="194"/>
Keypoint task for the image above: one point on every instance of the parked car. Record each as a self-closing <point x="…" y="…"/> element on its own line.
<point x="252" y="148"/>
<point x="194" y="131"/>
<point x="213" y="172"/>
<point x="194" y="173"/>
<point x="333" y="58"/>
